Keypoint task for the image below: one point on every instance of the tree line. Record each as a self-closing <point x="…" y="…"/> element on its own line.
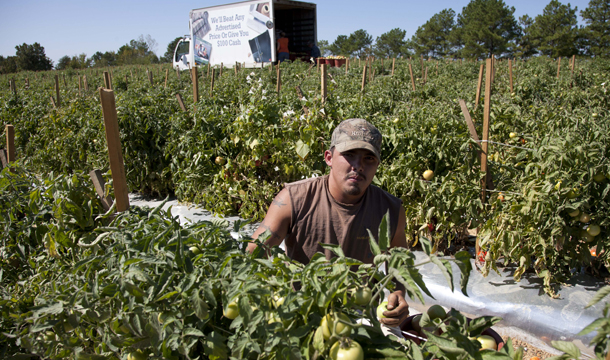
<point x="32" y="57"/>
<point x="486" y="27"/>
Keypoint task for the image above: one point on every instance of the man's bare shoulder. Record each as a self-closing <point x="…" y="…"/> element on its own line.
<point x="308" y="181"/>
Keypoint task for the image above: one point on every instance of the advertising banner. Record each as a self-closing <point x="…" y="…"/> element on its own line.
<point x="241" y="32"/>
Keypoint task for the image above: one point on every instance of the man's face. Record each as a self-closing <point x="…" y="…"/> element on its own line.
<point x="351" y="173"/>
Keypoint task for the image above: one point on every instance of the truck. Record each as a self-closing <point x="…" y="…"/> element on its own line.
<point x="246" y="33"/>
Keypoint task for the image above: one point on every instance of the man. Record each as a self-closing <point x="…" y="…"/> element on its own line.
<point x="314" y="51"/>
<point x="282" y="47"/>
<point x="339" y="208"/>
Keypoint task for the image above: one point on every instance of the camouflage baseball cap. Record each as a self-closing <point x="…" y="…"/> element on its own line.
<point x="356" y="134"/>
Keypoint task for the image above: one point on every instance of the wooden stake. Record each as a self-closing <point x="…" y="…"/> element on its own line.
<point x="150" y="78"/>
<point x="221" y="67"/>
<point x="126" y="82"/>
<point x="426" y="76"/>
<point x="478" y="96"/>
<point x="195" y="81"/>
<point x="573" y="62"/>
<point x="85" y="83"/>
<point x="100" y="186"/>
<point x="180" y="102"/>
<point x="412" y="79"/>
<point x="80" y="86"/>
<point x="279" y="79"/>
<point x="558" y="66"/>
<point x="212" y="82"/>
<point x="486" y="112"/>
<point x="346" y="66"/>
<point x="166" y="75"/>
<point x="323" y="83"/>
<point x="393" y="65"/>
<point x="107" y="80"/>
<point x="469" y="123"/>
<point x="510" y="74"/>
<point x="115" y="152"/>
<point x="421" y="63"/>
<point x="363" y="77"/>
<point x="57" y="90"/>
<point x="10" y="143"/>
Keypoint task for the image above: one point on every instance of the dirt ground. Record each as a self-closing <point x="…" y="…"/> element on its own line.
<point x="529" y="350"/>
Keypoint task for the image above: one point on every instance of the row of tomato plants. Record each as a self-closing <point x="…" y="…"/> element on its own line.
<point x="233" y="150"/>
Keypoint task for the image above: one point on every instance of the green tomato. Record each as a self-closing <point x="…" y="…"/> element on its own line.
<point x="327" y="322"/>
<point x="415" y="323"/>
<point x="363" y="295"/>
<point x="50" y="336"/>
<point x="231" y="311"/>
<point x="599" y="177"/>
<point x="487" y="342"/>
<point x="383" y="307"/>
<point x="195" y="250"/>
<point x="436" y="312"/>
<point x="593" y="230"/>
<point x="346" y="350"/>
<point x="574" y="213"/>
<point x="277" y="300"/>
<point x="137" y="355"/>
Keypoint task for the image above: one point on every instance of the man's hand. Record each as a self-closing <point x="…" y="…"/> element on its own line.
<point x="398" y="309"/>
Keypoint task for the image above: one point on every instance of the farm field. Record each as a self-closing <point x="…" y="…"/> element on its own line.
<point x="231" y="152"/>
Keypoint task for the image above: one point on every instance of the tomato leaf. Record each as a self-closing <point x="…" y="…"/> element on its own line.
<point x="199" y="306"/>
<point x="302" y="150"/>
<point x="445" y="267"/>
<point x="599" y="295"/>
<point x="462" y="259"/>
<point x="373" y="243"/>
<point x="384" y="232"/>
<point x="215" y="346"/>
<point x="425" y="244"/>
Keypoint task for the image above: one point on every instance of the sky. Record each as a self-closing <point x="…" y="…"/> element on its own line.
<point x="72" y="27"/>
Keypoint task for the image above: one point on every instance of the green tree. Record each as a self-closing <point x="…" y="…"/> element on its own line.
<point x="138" y="51"/>
<point x="486" y="27"/>
<point x="554" y="32"/>
<point x="434" y="37"/>
<point x="341" y="46"/>
<point x="168" y="57"/>
<point x="324" y="47"/>
<point x="8" y="64"/>
<point x="32" y="57"/>
<point x="100" y="59"/>
<point x="391" y="44"/>
<point x="597" y="31"/>
<point x="525" y="48"/>
<point x="63" y="63"/>
<point x="361" y="43"/>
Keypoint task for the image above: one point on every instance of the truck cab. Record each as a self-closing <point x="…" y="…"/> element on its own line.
<point x="182" y="54"/>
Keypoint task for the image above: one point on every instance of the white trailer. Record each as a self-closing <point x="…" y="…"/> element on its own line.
<point x="246" y="33"/>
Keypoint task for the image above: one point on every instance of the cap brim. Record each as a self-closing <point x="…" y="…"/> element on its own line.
<point x="357" y="144"/>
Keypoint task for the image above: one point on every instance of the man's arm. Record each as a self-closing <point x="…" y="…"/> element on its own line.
<point x="398" y="309"/>
<point x="277" y="221"/>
